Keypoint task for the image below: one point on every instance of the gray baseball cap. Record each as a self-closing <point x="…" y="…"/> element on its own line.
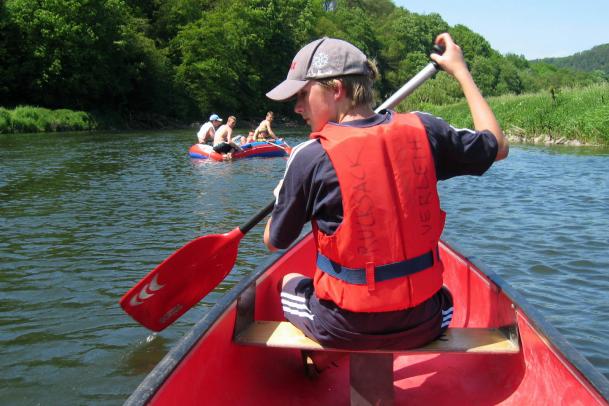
<point x="321" y="59"/>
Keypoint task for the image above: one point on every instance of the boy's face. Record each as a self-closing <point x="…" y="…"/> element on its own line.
<point x="316" y="104"/>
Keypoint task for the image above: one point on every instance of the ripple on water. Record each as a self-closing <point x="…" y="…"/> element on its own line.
<point x="101" y="211"/>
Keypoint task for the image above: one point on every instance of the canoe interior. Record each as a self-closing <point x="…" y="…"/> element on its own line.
<point x="212" y="370"/>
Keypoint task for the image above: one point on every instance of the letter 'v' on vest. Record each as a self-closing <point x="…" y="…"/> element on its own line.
<point x="383" y="256"/>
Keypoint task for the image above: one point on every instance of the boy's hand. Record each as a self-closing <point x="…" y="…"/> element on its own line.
<point x="451" y="61"/>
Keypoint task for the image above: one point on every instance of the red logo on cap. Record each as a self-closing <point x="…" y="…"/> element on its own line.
<point x="293" y="65"/>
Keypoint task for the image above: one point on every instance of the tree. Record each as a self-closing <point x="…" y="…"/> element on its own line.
<point x="407" y="39"/>
<point x="233" y="55"/>
<point x="85" y="55"/>
<point x="472" y="44"/>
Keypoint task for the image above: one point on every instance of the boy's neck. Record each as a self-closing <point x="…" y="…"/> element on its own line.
<point x="355" y="113"/>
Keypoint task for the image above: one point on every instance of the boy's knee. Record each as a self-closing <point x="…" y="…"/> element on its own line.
<point x="289" y="277"/>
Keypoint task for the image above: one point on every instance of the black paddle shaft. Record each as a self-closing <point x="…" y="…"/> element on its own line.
<point x="258" y="217"/>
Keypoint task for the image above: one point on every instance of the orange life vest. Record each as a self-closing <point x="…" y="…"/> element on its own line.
<point x="384" y="254"/>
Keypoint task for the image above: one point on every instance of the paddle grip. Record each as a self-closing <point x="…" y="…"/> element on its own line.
<point x="437" y="49"/>
<point x="258" y="217"/>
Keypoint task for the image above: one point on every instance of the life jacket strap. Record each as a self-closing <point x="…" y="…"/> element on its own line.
<point x="362" y="276"/>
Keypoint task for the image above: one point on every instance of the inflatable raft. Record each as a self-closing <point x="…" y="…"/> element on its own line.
<point x="264" y="149"/>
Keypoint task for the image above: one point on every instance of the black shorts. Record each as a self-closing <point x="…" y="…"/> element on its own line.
<point x="331" y="326"/>
<point x="223" y="148"/>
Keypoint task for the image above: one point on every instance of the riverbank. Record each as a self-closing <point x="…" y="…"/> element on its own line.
<point x="29" y="119"/>
<point x="578" y="116"/>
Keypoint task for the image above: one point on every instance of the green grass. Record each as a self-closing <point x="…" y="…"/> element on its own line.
<point x="580" y="114"/>
<point x="27" y="119"/>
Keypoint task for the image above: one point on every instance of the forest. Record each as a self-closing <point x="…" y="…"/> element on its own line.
<point x="150" y="62"/>
<point x="595" y="59"/>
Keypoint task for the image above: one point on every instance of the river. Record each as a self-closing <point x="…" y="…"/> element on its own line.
<point x="84" y="216"/>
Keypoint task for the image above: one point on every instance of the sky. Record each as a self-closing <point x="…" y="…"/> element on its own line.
<point x="533" y="28"/>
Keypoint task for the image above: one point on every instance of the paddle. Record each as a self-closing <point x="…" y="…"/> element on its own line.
<point x="194" y="270"/>
<point x="186" y="276"/>
<point x="286" y="148"/>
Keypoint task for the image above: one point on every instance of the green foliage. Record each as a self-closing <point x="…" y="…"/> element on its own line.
<point x="595" y="59"/>
<point x="6" y="121"/>
<point x="407" y="39"/>
<point x="89" y="55"/>
<point x="472" y="44"/>
<point x="143" y="60"/>
<point x="27" y="119"/>
<point x="225" y="63"/>
<point x="571" y="113"/>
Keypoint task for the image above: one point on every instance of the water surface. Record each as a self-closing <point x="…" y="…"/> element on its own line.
<point x="84" y="216"/>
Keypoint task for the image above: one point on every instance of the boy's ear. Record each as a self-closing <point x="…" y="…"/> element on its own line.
<point x="339" y="90"/>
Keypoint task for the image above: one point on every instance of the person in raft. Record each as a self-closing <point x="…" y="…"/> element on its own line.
<point x="223" y="142"/>
<point x="208" y="130"/>
<point x="367" y="183"/>
<point x="264" y="130"/>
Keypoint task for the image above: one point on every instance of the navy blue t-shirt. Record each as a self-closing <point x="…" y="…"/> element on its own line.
<point x="310" y="188"/>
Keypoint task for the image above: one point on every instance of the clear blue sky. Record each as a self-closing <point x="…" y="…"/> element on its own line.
<point x="533" y="28"/>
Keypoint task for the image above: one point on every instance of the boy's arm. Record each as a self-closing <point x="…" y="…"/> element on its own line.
<point x="453" y="63"/>
<point x="267" y="236"/>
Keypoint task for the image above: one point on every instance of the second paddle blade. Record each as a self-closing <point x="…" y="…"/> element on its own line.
<point x="182" y="280"/>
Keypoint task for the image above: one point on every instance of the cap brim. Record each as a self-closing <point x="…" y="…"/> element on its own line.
<point x="286" y="89"/>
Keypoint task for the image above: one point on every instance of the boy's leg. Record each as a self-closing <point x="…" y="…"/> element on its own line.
<point x="295" y="294"/>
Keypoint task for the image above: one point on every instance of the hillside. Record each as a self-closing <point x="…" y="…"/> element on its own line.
<point x="593" y="59"/>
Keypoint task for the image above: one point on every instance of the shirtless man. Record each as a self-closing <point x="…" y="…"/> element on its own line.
<point x="264" y="129"/>
<point x="223" y="142"/>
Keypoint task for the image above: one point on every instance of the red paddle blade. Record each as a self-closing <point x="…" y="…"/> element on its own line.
<point x="182" y="280"/>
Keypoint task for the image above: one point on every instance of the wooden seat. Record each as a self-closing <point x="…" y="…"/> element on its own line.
<point x="371" y="371"/>
<point x="283" y="334"/>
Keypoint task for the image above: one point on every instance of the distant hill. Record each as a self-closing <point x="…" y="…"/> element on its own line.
<point x="596" y="58"/>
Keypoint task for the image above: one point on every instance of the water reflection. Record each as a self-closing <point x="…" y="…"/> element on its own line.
<point x="85" y="218"/>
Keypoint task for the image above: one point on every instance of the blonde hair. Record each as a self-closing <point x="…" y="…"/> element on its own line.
<point x="359" y="88"/>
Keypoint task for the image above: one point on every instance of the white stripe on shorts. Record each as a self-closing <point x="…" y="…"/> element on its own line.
<point x="298" y="313"/>
<point x="448" y="316"/>
<point x="293" y="297"/>
<point x="301" y="306"/>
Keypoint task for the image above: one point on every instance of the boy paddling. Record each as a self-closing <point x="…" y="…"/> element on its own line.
<point x="367" y="182"/>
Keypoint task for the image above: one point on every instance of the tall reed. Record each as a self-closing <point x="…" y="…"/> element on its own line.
<point x="580" y="114"/>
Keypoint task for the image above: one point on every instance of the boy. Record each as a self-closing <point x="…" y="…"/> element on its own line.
<point x="264" y="130"/>
<point x="223" y="142"/>
<point x="367" y="182"/>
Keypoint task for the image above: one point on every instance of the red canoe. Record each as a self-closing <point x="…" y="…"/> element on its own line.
<point x="216" y="363"/>
<point x="252" y="150"/>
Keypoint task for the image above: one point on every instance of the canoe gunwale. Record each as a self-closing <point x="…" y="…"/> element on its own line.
<point x="153" y="381"/>
<point x="554" y="338"/>
<point x="556" y="341"/>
